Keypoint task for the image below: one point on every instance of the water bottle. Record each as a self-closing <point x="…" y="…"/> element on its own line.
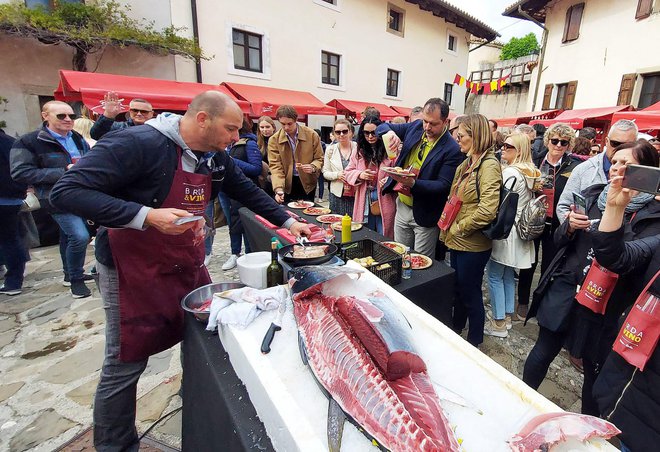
<point x="406" y="265"/>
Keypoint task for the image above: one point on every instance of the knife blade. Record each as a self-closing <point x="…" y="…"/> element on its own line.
<point x="274" y="327"/>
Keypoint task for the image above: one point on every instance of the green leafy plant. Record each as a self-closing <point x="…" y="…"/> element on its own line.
<point x="90" y="28"/>
<point x="518" y="47"/>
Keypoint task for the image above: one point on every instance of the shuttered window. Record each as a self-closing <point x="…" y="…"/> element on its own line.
<point x="626" y="90"/>
<point x="547" y="96"/>
<point x="572" y="24"/>
<point x="644" y="9"/>
<point x="650" y="92"/>
<point x="570" y="95"/>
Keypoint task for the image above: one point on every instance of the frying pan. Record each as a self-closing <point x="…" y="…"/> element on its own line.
<point x="286" y="253"/>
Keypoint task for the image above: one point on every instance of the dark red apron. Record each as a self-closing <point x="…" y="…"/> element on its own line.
<point x="157" y="270"/>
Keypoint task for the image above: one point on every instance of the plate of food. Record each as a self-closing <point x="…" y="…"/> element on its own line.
<point x="316" y="211"/>
<point x="330" y="218"/>
<point x="420" y="262"/>
<point x="354" y="226"/>
<point x="395" y="246"/>
<point x="311" y="253"/>
<point x="300" y="204"/>
<point x="398" y="171"/>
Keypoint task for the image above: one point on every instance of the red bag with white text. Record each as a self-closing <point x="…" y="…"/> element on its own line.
<point x="550" y="200"/>
<point x="640" y="331"/>
<point x="597" y="288"/>
<point x="452" y="207"/>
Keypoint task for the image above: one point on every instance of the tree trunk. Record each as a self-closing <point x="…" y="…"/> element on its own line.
<point x="79" y="59"/>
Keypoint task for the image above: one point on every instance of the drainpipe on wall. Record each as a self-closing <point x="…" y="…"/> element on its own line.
<point x="195" y="27"/>
<point x="544" y="41"/>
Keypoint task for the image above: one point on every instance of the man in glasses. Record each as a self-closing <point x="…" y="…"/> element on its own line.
<point x="40" y="159"/>
<point x="139" y="111"/>
<point x="432" y="154"/>
<point x="596" y="169"/>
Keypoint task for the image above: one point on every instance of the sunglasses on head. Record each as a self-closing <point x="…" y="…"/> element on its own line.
<point x="71" y="116"/>
<point x="341" y="132"/>
<point x="616" y="144"/>
<point x="508" y="146"/>
<point x="557" y="141"/>
<point x="370" y="134"/>
<point x="137" y="110"/>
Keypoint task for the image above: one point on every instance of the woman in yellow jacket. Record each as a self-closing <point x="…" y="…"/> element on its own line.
<point x="469" y="248"/>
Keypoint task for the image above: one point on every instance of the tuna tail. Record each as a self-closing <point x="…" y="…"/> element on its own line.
<point x="336" y="420"/>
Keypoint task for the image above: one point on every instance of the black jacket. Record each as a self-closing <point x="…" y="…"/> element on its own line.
<point x="133" y="168"/>
<point x="37" y="159"/>
<point x="9" y="188"/>
<point x="104" y="125"/>
<point x="626" y="396"/>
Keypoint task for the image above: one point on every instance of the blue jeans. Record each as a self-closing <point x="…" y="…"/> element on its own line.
<point x="502" y="288"/>
<point x="11" y="246"/>
<point x="469" y="303"/>
<point x="116" y="394"/>
<point x="321" y="184"/>
<point x="234" y="224"/>
<point x="208" y="241"/>
<point x="374" y="222"/>
<point x="74" y="239"/>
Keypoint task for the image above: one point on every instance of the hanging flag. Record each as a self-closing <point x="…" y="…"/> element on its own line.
<point x="474" y="88"/>
<point x="493" y="85"/>
<point x="457" y="80"/>
<point x="487" y="88"/>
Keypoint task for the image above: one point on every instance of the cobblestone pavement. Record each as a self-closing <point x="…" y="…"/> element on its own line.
<point x="51" y="351"/>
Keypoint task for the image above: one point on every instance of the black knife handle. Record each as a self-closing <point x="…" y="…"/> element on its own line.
<point x="268" y="338"/>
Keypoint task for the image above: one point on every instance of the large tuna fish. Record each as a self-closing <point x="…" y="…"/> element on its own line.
<point x="361" y="353"/>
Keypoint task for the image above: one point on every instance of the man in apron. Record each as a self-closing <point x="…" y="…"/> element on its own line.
<point x="139" y="183"/>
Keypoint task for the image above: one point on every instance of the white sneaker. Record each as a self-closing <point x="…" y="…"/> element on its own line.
<point x="491" y="329"/>
<point x="207" y="260"/>
<point x="231" y="262"/>
<point x="509" y="321"/>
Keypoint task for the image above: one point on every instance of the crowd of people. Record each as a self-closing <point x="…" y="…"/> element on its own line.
<point x="139" y="178"/>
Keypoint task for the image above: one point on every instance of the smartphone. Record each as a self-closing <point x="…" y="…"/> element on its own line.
<point x="580" y="203"/>
<point x="642" y="178"/>
<point x="184" y="220"/>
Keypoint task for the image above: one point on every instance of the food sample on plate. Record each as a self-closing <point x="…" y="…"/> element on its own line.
<point x="397" y="170"/>
<point x="330" y="218"/>
<point x="308" y="252"/>
<point x="420" y="262"/>
<point x="395" y="246"/>
<point x="316" y="211"/>
<point x="354" y="226"/>
<point x="300" y="204"/>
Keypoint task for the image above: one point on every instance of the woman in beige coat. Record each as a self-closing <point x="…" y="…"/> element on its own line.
<point x="337" y="157"/>
<point x="469" y="248"/>
<point x="513" y="252"/>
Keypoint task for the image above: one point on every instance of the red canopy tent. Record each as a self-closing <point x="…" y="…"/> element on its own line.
<point x="526" y="117"/>
<point x="403" y="111"/>
<point x="355" y="108"/>
<point x="646" y="119"/>
<point x="265" y="100"/>
<point x="585" y="117"/>
<point x="90" y="87"/>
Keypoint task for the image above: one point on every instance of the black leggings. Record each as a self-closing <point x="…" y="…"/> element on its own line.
<point x="547" y="347"/>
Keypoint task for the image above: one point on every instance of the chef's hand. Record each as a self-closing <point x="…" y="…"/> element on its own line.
<point x="111" y="105"/>
<point x="406" y="181"/>
<point x="163" y="220"/>
<point x="299" y="229"/>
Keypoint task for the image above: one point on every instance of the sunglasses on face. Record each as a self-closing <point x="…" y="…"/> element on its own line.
<point x="341" y="132"/>
<point x="557" y="141"/>
<point x="71" y="116"/>
<point x="508" y="146"/>
<point x="616" y="144"/>
<point x="369" y="134"/>
<point x="143" y="112"/>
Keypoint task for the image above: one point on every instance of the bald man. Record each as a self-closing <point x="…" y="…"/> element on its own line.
<point x="143" y="184"/>
<point x="40" y="159"/>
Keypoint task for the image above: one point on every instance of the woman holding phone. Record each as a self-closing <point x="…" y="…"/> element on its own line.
<point x="570" y="312"/>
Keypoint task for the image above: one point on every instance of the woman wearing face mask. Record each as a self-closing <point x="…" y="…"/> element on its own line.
<point x="336" y="159"/>
<point x="511" y="253"/>
<point x="364" y="171"/>
<point x="569" y="312"/>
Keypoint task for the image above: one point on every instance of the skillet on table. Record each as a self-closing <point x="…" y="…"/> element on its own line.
<point x="286" y="253"/>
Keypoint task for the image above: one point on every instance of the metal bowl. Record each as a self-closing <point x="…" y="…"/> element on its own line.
<point x="197" y="297"/>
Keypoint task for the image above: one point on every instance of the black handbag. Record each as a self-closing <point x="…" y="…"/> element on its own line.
<point x="501" y="226"/>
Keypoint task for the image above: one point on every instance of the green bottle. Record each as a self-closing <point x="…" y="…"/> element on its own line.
<point x="274" y="272"/>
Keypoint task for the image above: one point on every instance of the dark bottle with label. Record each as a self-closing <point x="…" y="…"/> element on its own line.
<point x="274" y="272"/>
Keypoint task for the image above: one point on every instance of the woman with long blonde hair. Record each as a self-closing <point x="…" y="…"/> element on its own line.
<point x="511" y="253"/>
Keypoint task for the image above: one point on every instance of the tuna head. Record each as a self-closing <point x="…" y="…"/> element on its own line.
<point x="305" y="280"/>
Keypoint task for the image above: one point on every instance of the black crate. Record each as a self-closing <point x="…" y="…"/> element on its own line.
<point x="380" y="253"/>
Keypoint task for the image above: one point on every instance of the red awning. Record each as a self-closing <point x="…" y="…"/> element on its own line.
<point x="354" y="108"/>
<point x="577" y="118"/>
<point x="646" y="119"/>
<point x="265" y="100"/>
<point x="403" y="111"/>
<point x="90" y="87"/>
<point x="526" y="117"/>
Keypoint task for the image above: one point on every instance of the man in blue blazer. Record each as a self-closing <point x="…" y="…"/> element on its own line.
<point x="431" y="152"/>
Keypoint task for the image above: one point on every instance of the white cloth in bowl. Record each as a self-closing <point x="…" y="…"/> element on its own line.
<point x="241" y="306"/>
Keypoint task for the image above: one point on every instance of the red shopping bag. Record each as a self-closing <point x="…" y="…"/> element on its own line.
<point x="597" y="288"/>
<point x="449" y="213"/>
<point x="550" y="201"/>
<point x="639" y="334"/>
